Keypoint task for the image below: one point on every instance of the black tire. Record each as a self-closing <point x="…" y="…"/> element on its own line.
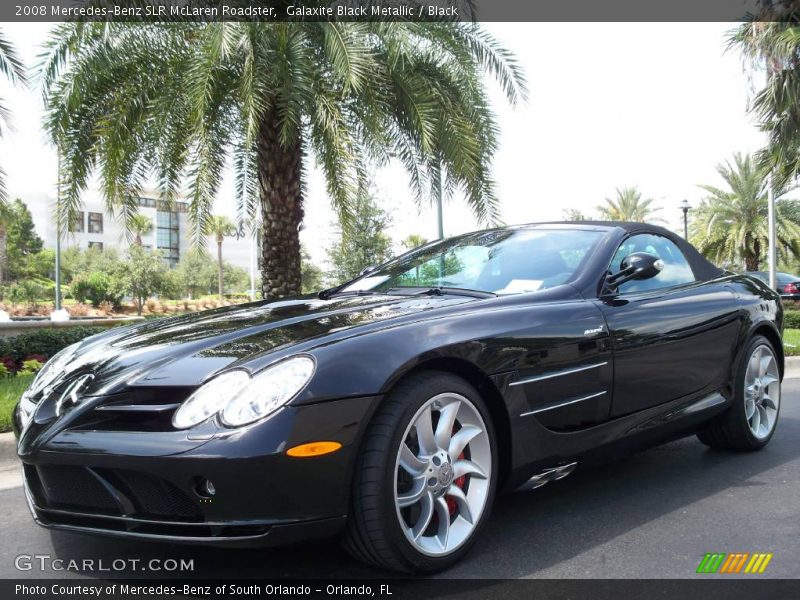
<point x="730" y="430"/>
<point x="374" y="534"/>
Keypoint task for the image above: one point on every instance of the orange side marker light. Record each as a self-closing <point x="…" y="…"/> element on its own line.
<point x="313" y="449"/>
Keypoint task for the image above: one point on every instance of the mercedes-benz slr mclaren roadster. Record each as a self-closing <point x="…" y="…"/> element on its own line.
<point x="392" y="409"/>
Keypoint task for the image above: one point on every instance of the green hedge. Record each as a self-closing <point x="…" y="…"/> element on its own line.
<point x="44" y="341"/>
<point x="791" y="319"/>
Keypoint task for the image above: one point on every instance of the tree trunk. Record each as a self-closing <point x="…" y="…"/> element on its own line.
<point x="751" y="261"/>
<point x="219" y="268"/>
<point x="279" y="180"/>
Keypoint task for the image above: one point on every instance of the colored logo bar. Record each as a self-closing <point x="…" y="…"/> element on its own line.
<point x="736" y="562"/>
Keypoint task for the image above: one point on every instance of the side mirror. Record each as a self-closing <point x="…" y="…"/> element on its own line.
<point x="368" y="269"/>
<point x="637" y="265"/>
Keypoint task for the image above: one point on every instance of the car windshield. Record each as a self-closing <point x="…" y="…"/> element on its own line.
<point x="498" y="262"/>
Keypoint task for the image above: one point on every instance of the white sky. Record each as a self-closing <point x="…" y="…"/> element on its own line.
<point x="656" y="105"/>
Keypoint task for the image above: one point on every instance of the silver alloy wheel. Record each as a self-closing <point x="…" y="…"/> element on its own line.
<point x="762" y="391"/>
<point x="442" y="474"/>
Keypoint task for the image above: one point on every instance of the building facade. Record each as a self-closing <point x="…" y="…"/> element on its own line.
<point x="171" y="232"/>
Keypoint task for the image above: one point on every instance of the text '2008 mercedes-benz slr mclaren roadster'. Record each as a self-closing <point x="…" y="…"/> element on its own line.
<point x="391" y="410"/>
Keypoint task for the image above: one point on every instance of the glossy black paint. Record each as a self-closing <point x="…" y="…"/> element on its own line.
<point x="569" y="373"/>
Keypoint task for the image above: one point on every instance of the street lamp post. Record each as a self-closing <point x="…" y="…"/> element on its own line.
<point x="438" y="195"/>
<point x="685" y="206"/>
<point x="772" y="249"/>
<point x="59" y="313"/>
<point x="58" y="235"/>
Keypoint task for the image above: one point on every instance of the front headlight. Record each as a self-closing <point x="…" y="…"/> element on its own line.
<point x="240" y="399"/>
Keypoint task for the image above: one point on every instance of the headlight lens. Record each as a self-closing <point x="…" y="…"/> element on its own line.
<point x="209" y="399"/>
<point x="268" y="391"/>
<point x="241" y="399"/>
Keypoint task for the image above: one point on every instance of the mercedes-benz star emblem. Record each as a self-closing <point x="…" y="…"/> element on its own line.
<point x="446" y="474"/>
<point x="71" y="396"/>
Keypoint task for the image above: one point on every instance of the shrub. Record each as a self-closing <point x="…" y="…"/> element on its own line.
<point x="791" y="319"/>
<point x="44" y="342"/>
<point x="4" y="372"/>
<point x="9" y="363"/>
<point x="27" y="291"/>
<point x="78" y="310"/>
<point x="238" y="298"/>
<point x="97" y="288"/>
<point x="31" y="366"/>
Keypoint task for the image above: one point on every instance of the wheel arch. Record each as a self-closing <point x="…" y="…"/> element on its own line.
<point x="769" y="331"/>
<point x="489" y="393"/>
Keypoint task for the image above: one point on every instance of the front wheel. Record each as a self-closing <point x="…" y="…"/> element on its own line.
<point x="425" y="478"/>
<point x="751" y="420"/>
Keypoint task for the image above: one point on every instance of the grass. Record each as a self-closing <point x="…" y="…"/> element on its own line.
<point x="791" y="342"/>
<point x="11" y="389"/>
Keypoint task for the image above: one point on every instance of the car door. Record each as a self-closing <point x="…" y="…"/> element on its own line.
<point x="671" y="336"/>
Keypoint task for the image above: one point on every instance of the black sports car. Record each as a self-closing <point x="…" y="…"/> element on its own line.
<point x="390" y="410"/>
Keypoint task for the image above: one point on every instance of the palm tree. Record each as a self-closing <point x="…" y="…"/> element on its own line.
<point x="413" y="240"/>
<point x="730" y="226"/>
<point x="574" y="214"/>
<point x="128" y="99"/>
<point x="628" y="206"/>
<point x="772" y="44"/>
<point x="219" y="227"/>
<point x="12" y="68"/>
<point x="137" y="226"/>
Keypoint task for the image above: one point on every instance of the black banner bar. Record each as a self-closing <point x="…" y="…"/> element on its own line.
<point x="381" y="10"/>
<point x="732" y="588"/>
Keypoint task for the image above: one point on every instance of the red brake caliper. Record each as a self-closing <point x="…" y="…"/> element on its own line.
<point x="451" y="504"/>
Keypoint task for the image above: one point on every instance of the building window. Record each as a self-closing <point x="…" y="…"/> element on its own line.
<point x="95" y="222"/>
<point x="77" y="224"/>
<point x="147" y="202"/>
<point x="98" y="245"/>
<point x="168" y="236"/>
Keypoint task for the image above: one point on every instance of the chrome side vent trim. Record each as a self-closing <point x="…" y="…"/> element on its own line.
<point x="553" y="374"/>
<point x="564" y="403"/>
<point x="548" y="475"/>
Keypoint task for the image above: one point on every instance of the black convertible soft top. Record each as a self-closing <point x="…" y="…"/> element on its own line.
<point x="703" y="269"/>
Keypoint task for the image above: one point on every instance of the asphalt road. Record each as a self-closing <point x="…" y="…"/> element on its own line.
<point x="652" y="515"/>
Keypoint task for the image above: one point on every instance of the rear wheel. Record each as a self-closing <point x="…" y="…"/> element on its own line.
<point x="750" y="422"/>
<point x="425" y="477"/>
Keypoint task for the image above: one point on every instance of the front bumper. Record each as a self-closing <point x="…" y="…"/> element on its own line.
<point x="150" y="485"/>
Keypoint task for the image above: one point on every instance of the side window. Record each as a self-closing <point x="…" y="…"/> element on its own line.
<point x="676" y="268"/>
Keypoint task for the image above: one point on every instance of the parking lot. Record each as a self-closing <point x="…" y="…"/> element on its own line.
<point x="652" y="515"/>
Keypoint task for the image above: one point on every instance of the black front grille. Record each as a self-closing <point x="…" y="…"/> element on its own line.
<point x="153" y="496"/>
<point x="79" y="489"/>
<point x="73" y="487"/>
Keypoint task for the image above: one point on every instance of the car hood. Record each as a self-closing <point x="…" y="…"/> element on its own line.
<point x="186" y="350"/>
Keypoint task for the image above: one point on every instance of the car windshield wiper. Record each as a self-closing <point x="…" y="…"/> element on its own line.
<point x="451" y="291"/>
<point x="328" y="294"/>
